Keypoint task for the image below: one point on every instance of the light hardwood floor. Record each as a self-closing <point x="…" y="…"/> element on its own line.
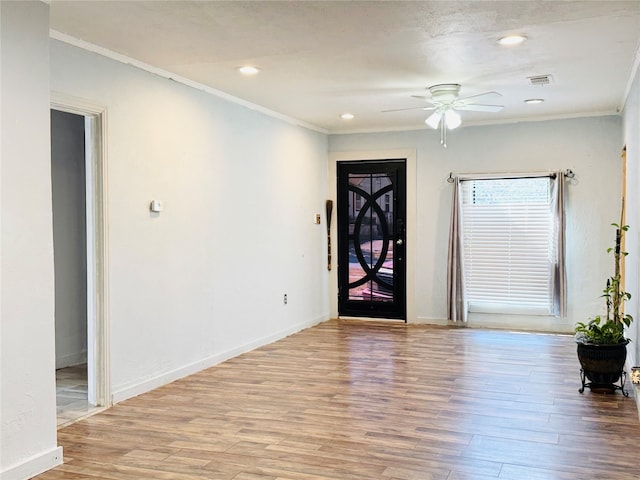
<point x="350" y="400"/>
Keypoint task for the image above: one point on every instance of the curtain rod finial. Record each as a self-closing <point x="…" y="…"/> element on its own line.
<point x="450" y="179"/>
<point x="569" y="173"/>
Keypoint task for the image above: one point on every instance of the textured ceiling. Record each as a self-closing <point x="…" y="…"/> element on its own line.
<point x="320" y="59"/>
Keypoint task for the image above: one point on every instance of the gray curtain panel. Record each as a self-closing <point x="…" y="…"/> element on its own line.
<point x="559" y="273"/>
<point x="456" y="298"/>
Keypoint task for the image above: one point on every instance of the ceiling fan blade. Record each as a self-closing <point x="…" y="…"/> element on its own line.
<point x="426" y="99"/>
<point x="410" y="108"/>
<point x="474" y="107"/>
<point x="480" y="96"/>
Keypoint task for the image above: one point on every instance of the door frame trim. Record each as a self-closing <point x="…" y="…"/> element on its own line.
<point x="410" y="156"/>
<point x="99" y="377"/>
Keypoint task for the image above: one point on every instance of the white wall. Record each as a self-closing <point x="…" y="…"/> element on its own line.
<point x="69" y="237"/>
<point x="205" y="279"/>
<point x="589" y="146"/>
<point x="27" y="360"/>
<point x="631" y="131"/>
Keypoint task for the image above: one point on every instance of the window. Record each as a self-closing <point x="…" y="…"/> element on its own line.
<point x="509" y="245"/>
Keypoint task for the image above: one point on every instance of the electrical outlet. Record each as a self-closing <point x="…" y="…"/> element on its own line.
<point x="285" y="298"/>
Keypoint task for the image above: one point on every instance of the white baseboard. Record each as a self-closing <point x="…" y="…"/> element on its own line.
<point x="34" y="466"/>
<point x="434" y="321"/>
<point x="139" y="388"/>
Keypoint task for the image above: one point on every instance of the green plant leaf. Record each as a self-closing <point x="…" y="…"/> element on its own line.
<point x="609" y="329"/>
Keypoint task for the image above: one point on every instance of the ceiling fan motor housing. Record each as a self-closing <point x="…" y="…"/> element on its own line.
<point x="445" y="92"/>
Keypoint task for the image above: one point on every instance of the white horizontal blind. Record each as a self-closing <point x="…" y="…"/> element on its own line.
<point x="507" y="242"/>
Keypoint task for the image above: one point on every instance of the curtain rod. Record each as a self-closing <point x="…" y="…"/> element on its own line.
<point x="478" y="176"/>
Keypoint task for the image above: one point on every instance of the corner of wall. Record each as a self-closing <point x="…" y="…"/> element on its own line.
<point x="28" y="403"/>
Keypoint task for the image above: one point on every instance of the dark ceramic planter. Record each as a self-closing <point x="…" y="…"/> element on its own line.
<point x="603" y="366"/>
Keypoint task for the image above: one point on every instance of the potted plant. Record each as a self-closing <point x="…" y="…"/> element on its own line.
<point x="602" y="346"/>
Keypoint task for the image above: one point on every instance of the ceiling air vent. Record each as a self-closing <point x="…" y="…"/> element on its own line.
<point x="540" y="80"/>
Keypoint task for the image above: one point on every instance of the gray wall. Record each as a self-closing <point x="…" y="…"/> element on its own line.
<point x="69" y="237"/>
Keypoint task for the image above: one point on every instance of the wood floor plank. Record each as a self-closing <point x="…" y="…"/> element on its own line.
<point x="350" y="400"/>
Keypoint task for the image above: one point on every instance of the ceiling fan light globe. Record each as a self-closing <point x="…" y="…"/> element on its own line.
<point x="452" y="119"/>
<point x="433" y="120"/>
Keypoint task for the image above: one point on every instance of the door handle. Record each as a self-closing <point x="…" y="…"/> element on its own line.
<point x="399" y="241"/>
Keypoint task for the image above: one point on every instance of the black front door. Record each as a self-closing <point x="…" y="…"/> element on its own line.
<point x="371" y="238"/>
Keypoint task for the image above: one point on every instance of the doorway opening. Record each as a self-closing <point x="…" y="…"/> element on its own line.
<point x="78" y="198"/>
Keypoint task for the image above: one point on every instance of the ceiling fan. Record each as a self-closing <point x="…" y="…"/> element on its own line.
<point x="444" y="102"/>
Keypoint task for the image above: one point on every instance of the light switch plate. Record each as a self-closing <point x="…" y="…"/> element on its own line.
<point x="156" y="206"/>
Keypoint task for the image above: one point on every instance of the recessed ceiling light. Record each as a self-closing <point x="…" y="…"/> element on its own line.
<point x="347" y="116"/>
<point x="534" y="100"/>
<point x="512" y="40"/>
<point x="248" y="70"/>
